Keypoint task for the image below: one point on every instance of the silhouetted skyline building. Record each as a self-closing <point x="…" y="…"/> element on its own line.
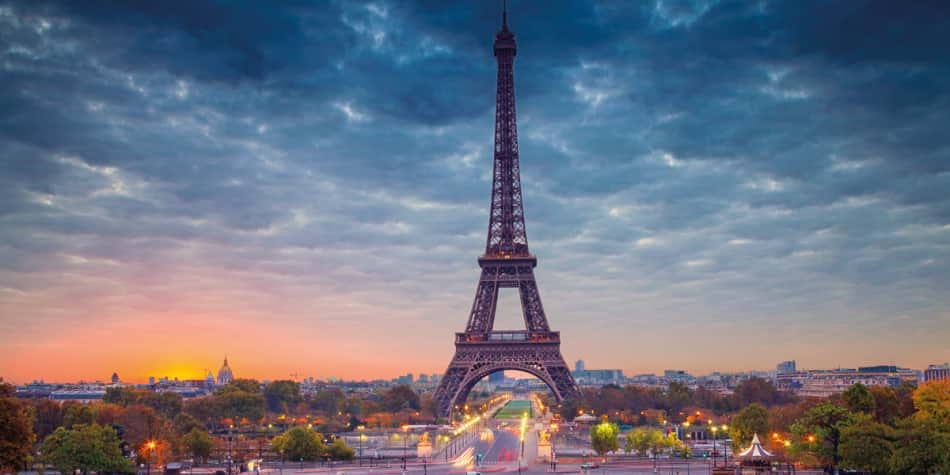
<point x="225" y="375"/>
<point x="785" y="367"/>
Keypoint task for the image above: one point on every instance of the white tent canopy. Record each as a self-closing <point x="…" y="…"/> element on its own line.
<point x="755" y="451"/>
<point x="585" y="418"/>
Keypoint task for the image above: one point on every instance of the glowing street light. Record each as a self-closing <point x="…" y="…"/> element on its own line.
<point x="359" y="430"/>
<point x="405" y="445"/>
<point x="715" y="455"/>
<point x="524" y="426"/>
<point x="150" y="445"/>
<point x="725" y="448"/>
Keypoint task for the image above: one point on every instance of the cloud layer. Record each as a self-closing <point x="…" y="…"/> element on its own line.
<point x="306" y="187"/>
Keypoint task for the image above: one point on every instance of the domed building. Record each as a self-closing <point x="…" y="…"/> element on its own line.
<point x="225" y="375"/>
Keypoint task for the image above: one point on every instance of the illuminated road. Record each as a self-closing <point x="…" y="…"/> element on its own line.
<point x="499" y="443"/>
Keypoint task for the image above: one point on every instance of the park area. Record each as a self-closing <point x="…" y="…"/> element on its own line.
<point x="514" y="409"/>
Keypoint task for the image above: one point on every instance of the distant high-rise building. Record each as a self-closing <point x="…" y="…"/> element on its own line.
<point x="115" y="378"/>
<point x="151" y="380"/>
<point x="937" y="372"/>
<point x="579" y="365"/>
<point x="677" y="376"/>
<point x="785" y="367"/>
<point x="225" y="375"/>
<point x="496" y="378"/>
<point x="423" y="378"/>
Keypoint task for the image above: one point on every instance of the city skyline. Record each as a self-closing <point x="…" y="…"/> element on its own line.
<point x="192" y="373"/>
<point x="306" y="190"/>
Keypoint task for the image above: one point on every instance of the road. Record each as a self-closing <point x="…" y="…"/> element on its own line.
<point x="498" y="449"/>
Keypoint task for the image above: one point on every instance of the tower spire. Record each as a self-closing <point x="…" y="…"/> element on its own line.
<point x="504" y="14"/>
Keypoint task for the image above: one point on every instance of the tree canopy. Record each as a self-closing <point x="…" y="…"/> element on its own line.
<point x="16" y="434"/>
<point x="603" y="437"/>
<point x="753" y="419"/>
<point x="299" y="443"/>
<point x="198" y="443"/>
<point x="400" y="397"/>
<point x="88" y="448"/>
<point x="858" y="398"/>
<point x="282" y="395"/>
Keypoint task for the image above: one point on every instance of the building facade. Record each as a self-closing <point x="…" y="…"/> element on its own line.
<point x="937" y="372"/>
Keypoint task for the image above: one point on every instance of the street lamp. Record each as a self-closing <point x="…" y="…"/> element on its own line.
<point x="359" y="431"/>
<point x="148" y="457"/>
<point x="229" y="448"/>
<point x="405" y="444"/>
<point x="715" y="455"/>
<point x="281" y="459"/>
<point x="725" y="448"/>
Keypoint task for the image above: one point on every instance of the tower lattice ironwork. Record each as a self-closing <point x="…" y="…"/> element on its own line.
<point x="480" y="350"/>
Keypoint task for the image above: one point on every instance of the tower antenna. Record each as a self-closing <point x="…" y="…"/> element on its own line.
<point x="504" y="14"/>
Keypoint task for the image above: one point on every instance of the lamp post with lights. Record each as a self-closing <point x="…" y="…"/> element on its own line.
<point x="359" y="432"/>
<point x="715" y="453"/>
<point x="725" y="448"/>
<point x="405" y="445"/>
<point x="150" y="447"/>
<point x="230" y="427"/>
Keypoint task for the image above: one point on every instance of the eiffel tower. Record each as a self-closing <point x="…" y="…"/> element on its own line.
<point x="480" y="350"/>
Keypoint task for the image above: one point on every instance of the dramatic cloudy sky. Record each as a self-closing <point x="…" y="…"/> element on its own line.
<point x="709" y="185"/>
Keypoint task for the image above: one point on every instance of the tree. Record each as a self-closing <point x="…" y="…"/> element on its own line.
<point x="198" y="443"/>
<point x="121" y="396"/>
<point x="905" y="401"/>
<point x="858" y="398"/>
<point x="866" y="445"/>
<point x="16" y="434"/>
<point x="568" y="409"/>
<point x="328" y="400"/>
<point x="754" y="419"/>
<point x="640" y="440"/>
<point x="168" y="404"/>
<point x="205" y="409"/>
<point x="243" y="385"/>
<point x="140" y="424"/>
<point x="603" y="437"/>
<point x="400" y="397"/>
<point x="819" y="432"/>
<point x="921" y="448"/>
<point x="760" y="390"/>
<point x="241" y="404"/>
<point x="282" y="395"/>
<point x="160" y="454"/>
<point x="782" y="417"/>
<point x="340" y="451"/>
<point x="47" y="416"/>
<point x="932" y="400"/>
<point x="184" y="423"/>
<point x="88" y="448"/>
<point x="107" y="414"/>
<point x="78" y="414"/>
<point x="886" y="405"/>
<point x="677" y="397"/>
<point x="299" y="443"/>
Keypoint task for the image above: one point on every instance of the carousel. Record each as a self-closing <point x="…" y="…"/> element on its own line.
<point x="755" y="459"/>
